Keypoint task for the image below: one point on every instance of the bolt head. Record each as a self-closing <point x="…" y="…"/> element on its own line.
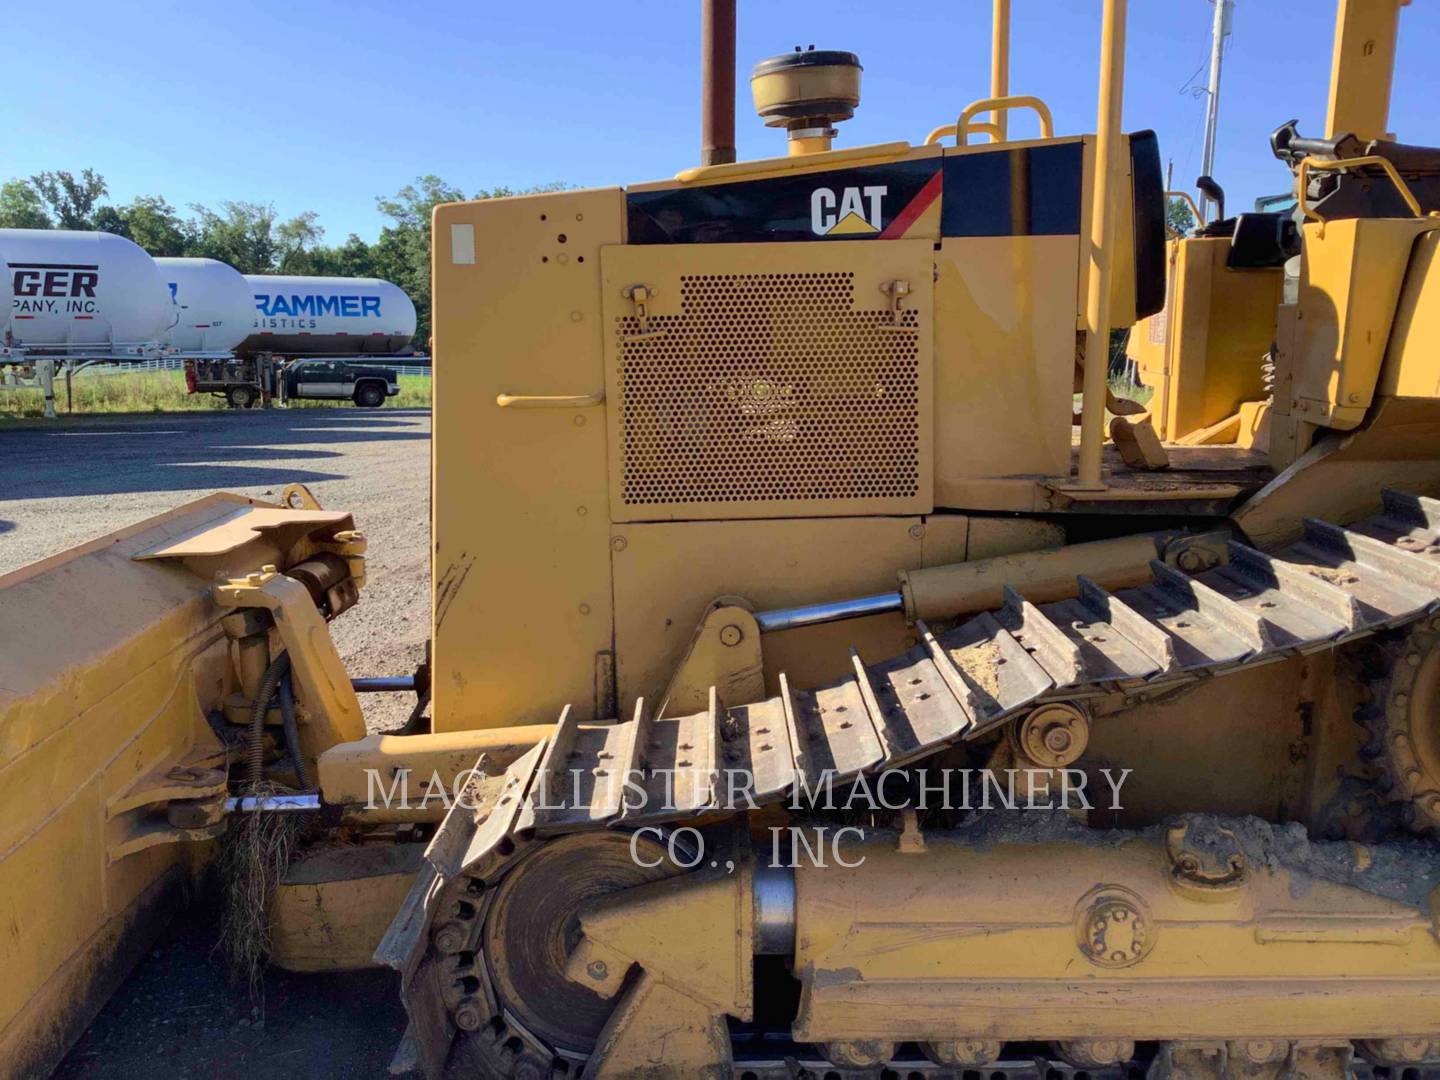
<point x="597" y="970"/>
<point x="450" y="939"/>
<point x="731" y="635"/>
<point x="1058" y="739"/>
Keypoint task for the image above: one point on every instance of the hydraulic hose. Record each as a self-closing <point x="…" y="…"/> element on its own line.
<point x="255" y="741"/>
<point x="292" y="731"/>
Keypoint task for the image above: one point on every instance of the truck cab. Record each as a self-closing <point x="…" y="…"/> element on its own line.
<point x="367" y="385"/>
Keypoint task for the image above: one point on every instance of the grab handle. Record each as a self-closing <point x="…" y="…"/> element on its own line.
<point x="563" y="401"/>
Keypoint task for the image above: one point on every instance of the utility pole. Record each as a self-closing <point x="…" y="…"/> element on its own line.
<point x="1219" y="31"/>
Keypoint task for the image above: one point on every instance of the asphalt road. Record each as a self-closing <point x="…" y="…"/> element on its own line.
<point x="68" y="482"/>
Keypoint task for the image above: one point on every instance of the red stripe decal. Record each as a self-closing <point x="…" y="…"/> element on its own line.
<point x="84" y="316"/>
<point x="917" y="206"/>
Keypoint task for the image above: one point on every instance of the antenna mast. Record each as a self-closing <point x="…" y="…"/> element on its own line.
<point x="1219" y="31"/>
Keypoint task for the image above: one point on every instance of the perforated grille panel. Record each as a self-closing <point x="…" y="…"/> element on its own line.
<point x="770" y="388"/>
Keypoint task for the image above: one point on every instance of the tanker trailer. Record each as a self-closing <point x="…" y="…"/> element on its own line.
<point x="328" y="316"/>
<point x="214" y="301"/>
<point x="89" y="294"/>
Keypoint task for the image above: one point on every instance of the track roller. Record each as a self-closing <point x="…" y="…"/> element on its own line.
<point x="1094" y="1053"/>
<point x="970" y="1052"/>
<point x="859" y="1054"/>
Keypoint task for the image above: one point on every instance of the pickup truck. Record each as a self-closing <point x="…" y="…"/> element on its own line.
<point x="245" y="382"/>
<point x="365" y="384"/>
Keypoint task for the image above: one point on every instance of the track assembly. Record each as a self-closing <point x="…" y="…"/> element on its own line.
<point x="488" y="942"/>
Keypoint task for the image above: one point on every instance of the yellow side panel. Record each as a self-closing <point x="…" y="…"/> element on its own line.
<point x="521" y="562"/>
<point x="769" y="380"/>
<point x="1412" y="364"/>
<point x="1350" y="285"/>
<point x="1005" y="357"/>
<point x="1223" y="325"/>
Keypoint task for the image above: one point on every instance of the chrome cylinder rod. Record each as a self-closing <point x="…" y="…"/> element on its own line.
<point x="774" y="891"/>
<point x="282" y="804"/>
<point x="379" y="684"/>
<point x="814" y="614"/>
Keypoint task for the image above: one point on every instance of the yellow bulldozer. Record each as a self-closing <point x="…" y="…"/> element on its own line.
<point x="809" y="694"/>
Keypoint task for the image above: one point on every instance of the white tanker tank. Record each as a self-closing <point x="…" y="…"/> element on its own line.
<point x="83" y="294"/>
<point x="328" y="316"/>
<point x="214" y="301"/>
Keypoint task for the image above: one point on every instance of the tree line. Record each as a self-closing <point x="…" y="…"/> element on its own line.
<point x="250" y="236"/>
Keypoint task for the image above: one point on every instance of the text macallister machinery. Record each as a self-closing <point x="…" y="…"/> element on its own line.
<point x="768" y="469"/>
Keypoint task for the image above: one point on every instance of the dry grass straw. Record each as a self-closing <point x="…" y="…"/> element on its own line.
<point x="254" y="858"/>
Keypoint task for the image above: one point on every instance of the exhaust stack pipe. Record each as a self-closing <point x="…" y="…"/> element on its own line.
<point x="717" y="82"/>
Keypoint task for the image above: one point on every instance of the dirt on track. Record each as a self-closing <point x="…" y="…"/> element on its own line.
<point x="66" y="482"/>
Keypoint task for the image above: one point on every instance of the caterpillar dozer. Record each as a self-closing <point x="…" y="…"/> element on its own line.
<point x="810" y="694"/>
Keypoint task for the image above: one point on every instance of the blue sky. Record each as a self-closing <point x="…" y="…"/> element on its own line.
<point x="322" y="105"/>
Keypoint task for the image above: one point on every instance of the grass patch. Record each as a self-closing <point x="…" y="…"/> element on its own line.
<point x="1123" y="389"/>
<point x="159" y="392"/>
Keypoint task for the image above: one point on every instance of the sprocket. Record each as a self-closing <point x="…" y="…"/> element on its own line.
<point x="1403" y="721"/>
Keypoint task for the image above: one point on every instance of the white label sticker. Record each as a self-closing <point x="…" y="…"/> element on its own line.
<point x="462" y="244"/>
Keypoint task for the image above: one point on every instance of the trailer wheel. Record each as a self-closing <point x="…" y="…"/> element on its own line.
<point x="369" y="395"/>
<point x="241" y="397"/>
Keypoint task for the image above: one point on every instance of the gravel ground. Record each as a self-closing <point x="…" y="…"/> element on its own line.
<point x="179" y="1015"/>
<point x="67" y="482"/>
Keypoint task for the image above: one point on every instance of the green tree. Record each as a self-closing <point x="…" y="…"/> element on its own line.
<point x="1178" y="216"/>
<point x="110" y="219"/>
<point x="296" y="239"/>
<point x="152" y="223"/>
<point x="21" y="208"/>
<point x="354" y="258"/>
<point x="351" y="259"/>
<point x="71" y="200"/>
<point x="243" y="235"/>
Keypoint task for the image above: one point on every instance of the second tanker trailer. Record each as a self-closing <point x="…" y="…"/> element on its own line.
<point x="328" y="316"/>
